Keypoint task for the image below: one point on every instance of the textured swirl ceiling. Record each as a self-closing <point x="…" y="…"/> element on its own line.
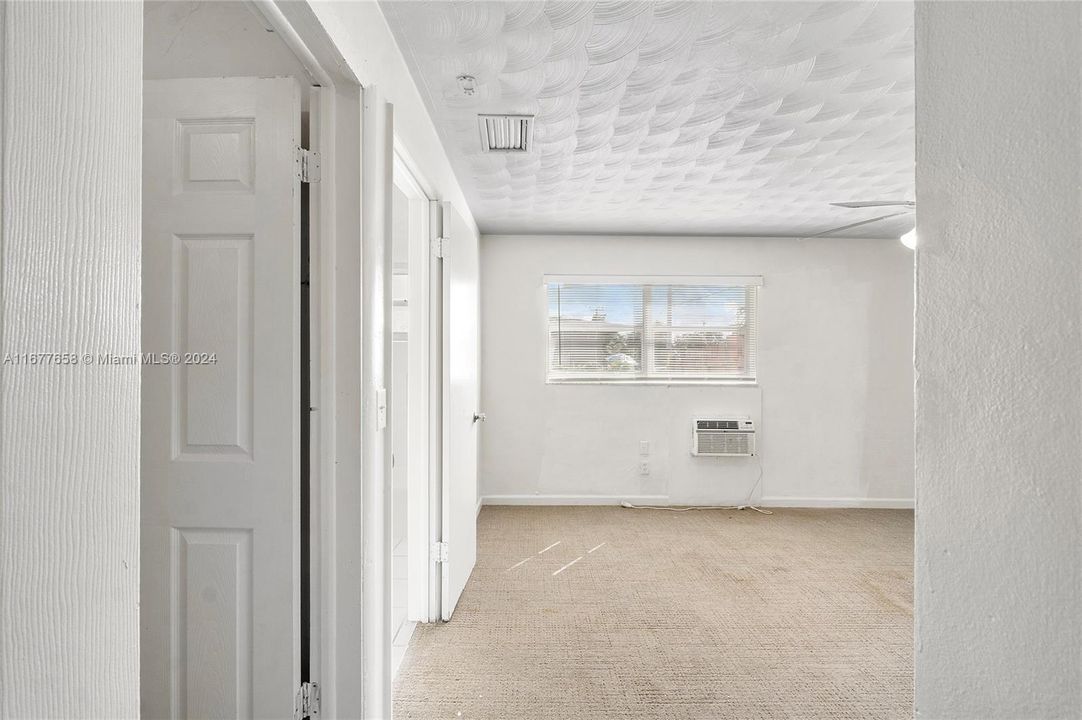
<point x="741" y="118"/>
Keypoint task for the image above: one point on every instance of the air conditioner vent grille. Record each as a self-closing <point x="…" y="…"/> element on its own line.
<point x="718" y="424"/>
<point x="506" y="133"/>
<point x="712" y="443"/>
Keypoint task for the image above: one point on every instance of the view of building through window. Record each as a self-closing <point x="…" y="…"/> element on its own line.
<point x="632" y="331"/>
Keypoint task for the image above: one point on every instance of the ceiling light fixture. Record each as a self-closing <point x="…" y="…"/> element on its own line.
<point x="468" y="84"/>
<point x="910" y="239"/>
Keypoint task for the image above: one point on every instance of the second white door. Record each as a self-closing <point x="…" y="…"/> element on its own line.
<point x="461" y="397"/>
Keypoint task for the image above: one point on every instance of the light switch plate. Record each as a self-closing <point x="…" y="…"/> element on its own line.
<point x="381" y="408"/>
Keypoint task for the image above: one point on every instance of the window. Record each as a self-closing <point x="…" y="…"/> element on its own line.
<point x="635" y="329"/>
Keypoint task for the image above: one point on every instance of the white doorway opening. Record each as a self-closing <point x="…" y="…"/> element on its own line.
<point x="412" y="473"/>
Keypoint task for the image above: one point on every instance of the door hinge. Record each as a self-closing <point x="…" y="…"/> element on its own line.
<point x="306" y="704"/>
<point x="439" y="246"/>
<point x="308" y="165"/>
<point x="439" y="552"/>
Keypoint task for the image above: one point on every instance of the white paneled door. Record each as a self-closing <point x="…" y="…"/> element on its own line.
<point x="220" y="588"/>
<point x="461" y="396"/>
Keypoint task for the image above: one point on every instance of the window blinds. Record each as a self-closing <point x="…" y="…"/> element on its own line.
<point x="623" y="329"/>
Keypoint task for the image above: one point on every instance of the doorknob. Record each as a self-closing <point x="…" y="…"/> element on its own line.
<point x="479" y="416"/>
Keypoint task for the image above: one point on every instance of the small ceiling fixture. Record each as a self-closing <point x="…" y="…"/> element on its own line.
<point x="468" y="84"/>
<point x="506" y="133"/>
<point x="910" y="239"/>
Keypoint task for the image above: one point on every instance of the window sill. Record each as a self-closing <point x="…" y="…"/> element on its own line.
<point x="668" y="383"/>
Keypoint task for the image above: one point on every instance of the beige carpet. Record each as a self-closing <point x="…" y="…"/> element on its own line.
<point x="705" y="614"/>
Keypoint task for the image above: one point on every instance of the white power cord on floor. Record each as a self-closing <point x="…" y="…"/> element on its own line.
<point x="746" y="506"/>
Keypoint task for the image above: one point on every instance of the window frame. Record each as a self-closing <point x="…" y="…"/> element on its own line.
<point x="751" y="284"/>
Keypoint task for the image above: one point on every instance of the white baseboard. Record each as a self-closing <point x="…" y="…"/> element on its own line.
<point x="574" y="499"/>
<point x="790" y="502"/>
<point x="480" y="502"/>
<point x="837" y="502"/>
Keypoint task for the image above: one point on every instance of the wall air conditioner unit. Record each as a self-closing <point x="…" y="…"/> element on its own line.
<point x="723" y="436"/>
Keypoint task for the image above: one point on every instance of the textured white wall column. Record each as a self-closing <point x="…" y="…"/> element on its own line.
<point x="69" y="512"/>
<point x="999" y="361"/>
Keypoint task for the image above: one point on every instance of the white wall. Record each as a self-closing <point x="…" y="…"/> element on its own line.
<point x="999" y="361"/>
<point x="69" y="458"/>
<point x="834" y="404"/>
<point x="360" y="31"/>
<point x="213" y="38"/>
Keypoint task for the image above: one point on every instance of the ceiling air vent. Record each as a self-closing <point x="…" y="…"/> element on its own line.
<point x="506" y="133"/>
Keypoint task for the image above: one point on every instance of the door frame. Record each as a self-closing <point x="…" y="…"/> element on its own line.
<point x="348" y="627"/>
<point x="336" y="491"/>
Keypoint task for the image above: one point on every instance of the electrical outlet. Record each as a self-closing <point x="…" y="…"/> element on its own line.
<point x="644" y="447"/>
<point x="644" y="468"/>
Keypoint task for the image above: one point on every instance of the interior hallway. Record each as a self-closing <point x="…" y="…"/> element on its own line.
<point x="702" y="614"/>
